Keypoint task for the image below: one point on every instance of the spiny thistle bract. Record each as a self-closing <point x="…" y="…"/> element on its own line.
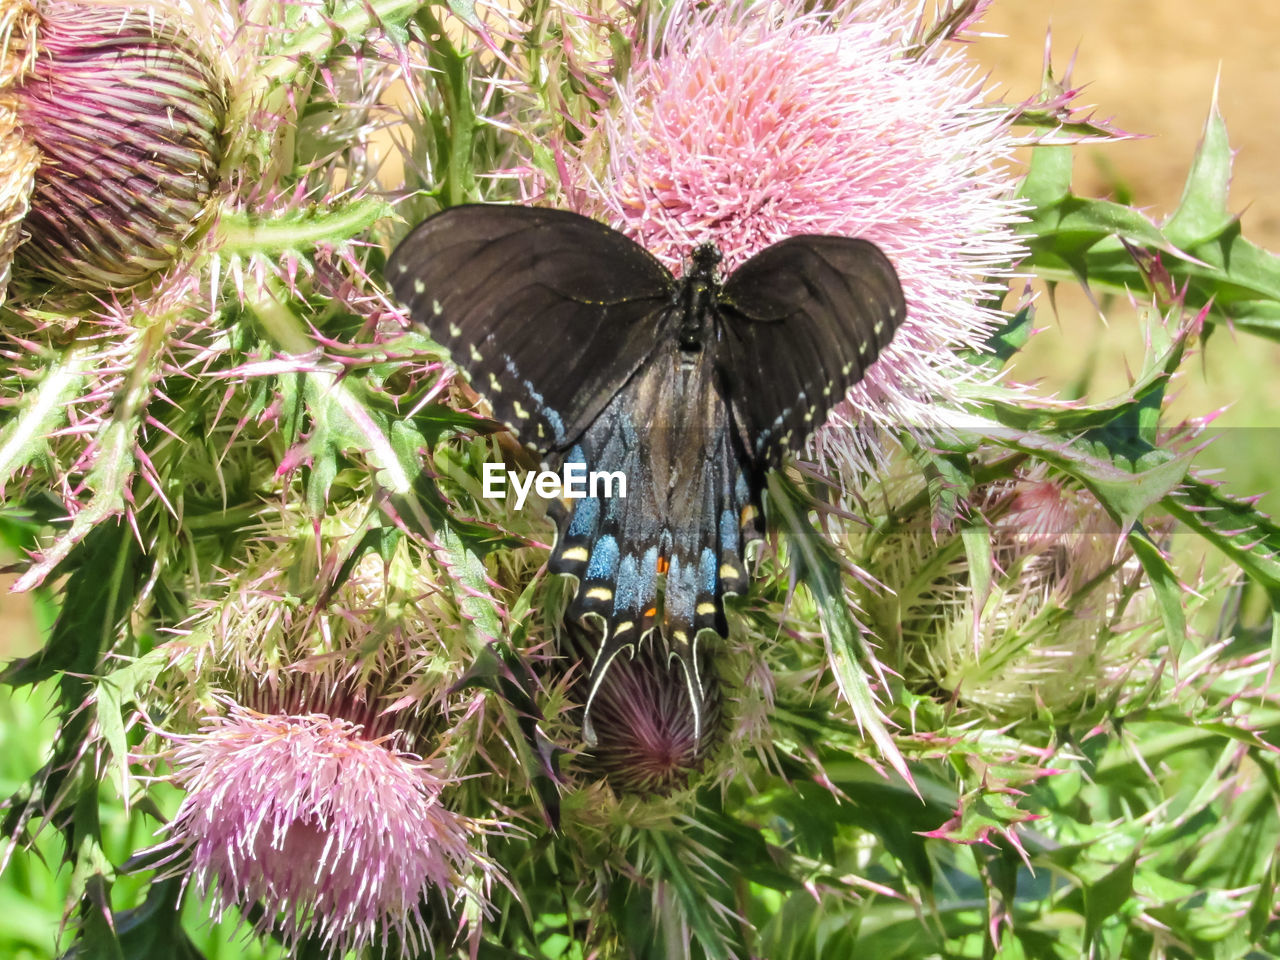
<point x="298" y="654"/>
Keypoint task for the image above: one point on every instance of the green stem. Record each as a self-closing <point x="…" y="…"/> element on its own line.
<point x="44" y="409"/>
<point x="240" y="234"/>
<point x="455" y="86"/>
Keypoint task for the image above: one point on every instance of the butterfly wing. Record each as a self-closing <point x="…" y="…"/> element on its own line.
<point x="667" y="432"/>
<point x="548" y="312"/>
<point x="805" y="318"/>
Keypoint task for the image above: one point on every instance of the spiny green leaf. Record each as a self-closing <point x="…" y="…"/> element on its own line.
<point x="1203" y="248"/>
<point x="1202" y="213"/>
<point x="1048" y="179"/>
<point x="1105" y="897"/>
<point x="97" y="600"/>
<point x="1005" y="342"/>
<point x="818" y="567"/>
<point x="693" y="899"/>
<point x="1164" y="584"/>
<point x="43" y="410"/>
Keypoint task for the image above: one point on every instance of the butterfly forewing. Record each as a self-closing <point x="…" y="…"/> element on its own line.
<point x="547" y="311"/>
<point x="801" y="322"/>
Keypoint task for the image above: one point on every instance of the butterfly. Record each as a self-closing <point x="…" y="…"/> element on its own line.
<point x="595" y="355"/>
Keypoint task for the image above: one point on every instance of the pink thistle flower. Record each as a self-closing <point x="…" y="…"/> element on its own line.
<point x="743" y="124"/>
<point x="324" y="822"/>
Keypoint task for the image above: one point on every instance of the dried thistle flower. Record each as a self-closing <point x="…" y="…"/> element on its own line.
<point x="125" y="112"/>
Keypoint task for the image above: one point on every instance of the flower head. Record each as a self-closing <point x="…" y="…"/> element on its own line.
<point x="1054" y="626"/>
<point x="125" y="113"/>
<point x="644" y="736"/>
<point x="315" y="733"/>
<point x="744" y="124"/>
<point x="329" y="826"/>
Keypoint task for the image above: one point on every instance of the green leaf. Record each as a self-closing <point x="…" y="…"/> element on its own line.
<point x="97" y="601"/>
<point x="112" y="692"/>
<point x="818" y="567"/>
<point x="1125" y="492"/>
<point x="1264" y="901"/>
<point x="97" y="938"/>
<point x="1202" y="213"/>
<point x="1242" y="532"/>
<point x="299" y="230"/>
<point x="1164" y="584"/>
<point x="1092" y="241"/>
<point x="1048" y="179"/>
<point x="1105" y="897"/>
<point x="1004" y="343"/>
<point x="693" y="900"/>
<point x="42" y="411"/>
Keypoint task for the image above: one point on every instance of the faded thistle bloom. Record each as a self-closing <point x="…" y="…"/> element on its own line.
<point x="112" y="121"/>
<point x="745" y="123"/>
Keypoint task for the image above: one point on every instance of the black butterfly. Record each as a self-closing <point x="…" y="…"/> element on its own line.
<point x="593" y="353"/>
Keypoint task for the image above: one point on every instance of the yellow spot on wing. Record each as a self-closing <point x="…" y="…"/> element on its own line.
<point x="706" y="609"/>
<point x="599" y="593"/>
<point x="579" y="554"/>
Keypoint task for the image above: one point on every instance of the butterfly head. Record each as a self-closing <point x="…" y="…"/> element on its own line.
<point x="703" y="262"/>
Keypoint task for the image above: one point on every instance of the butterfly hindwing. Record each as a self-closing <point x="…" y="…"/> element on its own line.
<point x="548" y="312"/>
<point x="802" y="321"/>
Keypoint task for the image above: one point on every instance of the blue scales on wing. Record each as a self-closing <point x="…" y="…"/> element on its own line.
<point x="656" y="565"/>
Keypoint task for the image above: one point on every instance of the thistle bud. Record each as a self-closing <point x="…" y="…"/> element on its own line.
<point x="646" y="735"/>
<point x="1047" y="633"/>
<point x="121" y="114"/>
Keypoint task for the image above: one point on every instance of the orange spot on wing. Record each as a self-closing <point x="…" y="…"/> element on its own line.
<point x="651" y="612"/>
<point x="663" y="565"/>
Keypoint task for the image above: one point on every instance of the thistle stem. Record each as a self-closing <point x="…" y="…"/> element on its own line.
<point x="44" y="410"/>
<point x="241" y="235"/>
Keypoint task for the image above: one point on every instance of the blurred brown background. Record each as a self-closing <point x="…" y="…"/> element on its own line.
<point x="1150" y="65"/>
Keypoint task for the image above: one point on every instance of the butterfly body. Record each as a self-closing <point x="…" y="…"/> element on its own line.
<point x="593" y="353"/>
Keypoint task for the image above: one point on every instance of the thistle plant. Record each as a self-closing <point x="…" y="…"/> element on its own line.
<point x="1002" y="684"/>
